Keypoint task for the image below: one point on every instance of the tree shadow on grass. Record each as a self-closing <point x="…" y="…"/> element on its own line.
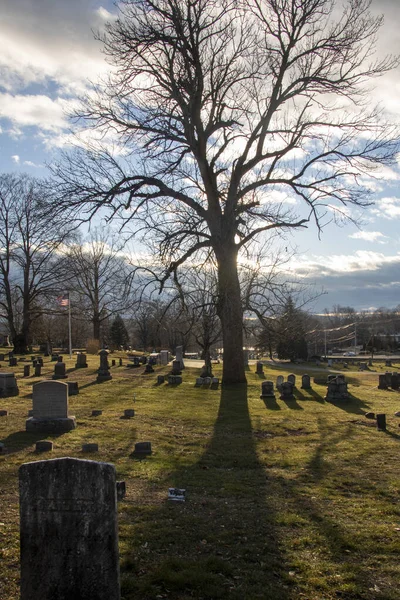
<point x="219" y="544"/>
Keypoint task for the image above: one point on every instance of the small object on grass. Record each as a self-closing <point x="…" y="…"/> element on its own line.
<point x="3" y="413"/>
<point x="381" y="422"/>
<point x="176" y="494"/>
<point x="369" y="415"/>
<point x="142" y="449"/>
<point x="90" y="447"/>
<point x="128" y="413"/>
<point x="96" y="412"/>
<point x="44" y="446"/>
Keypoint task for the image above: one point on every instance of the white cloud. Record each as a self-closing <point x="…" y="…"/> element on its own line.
<point x="387" y="208"/>
<point x="361" y="260"/>
<point x="40" y="111"/>
<point x="16" y="158"/>
<point x="29" y="163"/>
<point x="368" y="236"/>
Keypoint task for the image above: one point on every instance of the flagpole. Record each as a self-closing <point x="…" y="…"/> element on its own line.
<point x="69" y="325"/>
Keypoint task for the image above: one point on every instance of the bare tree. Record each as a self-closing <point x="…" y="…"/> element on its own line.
<point x="100" y="278"/>
<point x="30" y="238"/>
<point x="214" y="111"/>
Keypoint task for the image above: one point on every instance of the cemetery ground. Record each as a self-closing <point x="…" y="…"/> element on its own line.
<point x="284" y="500"/>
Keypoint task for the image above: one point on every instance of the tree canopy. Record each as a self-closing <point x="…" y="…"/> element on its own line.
<point x="215" y="113"/>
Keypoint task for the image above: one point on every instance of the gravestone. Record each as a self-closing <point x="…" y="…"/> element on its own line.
<point x="337" y="389"/>
<point x="306" y="382"/>
<point x="73" y="388"/>
<point x="330" y="362"/>
<point x="174" y="379"/>
<point x="113" y="363"/>
<point x="81" y="362"/>
<point x="214" y="382"/>
<point x="3" y="413"/>
<point x="292" y="379"/>
<point x="60" y="371"/>
<point x="68" y="530"/>
<point x="164" y="357"/>
<point x="27" y="370"/>
<point x="12" y="361"/>
<point x="8" y="385"/>
<point x="50" y="408"/>
<point x="363" y="366"/>
<point x="2" y="357"/>
<point x="54" y="357"/>
<point x="259" y="368"/>
<point x="279" y="380"/>
<point x="148" y="368"/>
<point x="129" y="413"/>
<point x="38" y="370"/>
<point x="160" y="379"/>
<point x="286" y="391"/>
<point x="267" y="389"/>
<point x="96" y="412"/>
<point x="395" y="383"/>
<point x="44" y="446"/>
<point x="388" y="363"/>
<point x="199" y="381"/>
<point x="120" y="362"/>
<point x="90" y="447"/>
<point x="176" y="367"/>
<point x="103" y="372"/>
<point x="179" y="357"/>
<point x="381" y="421"/>
<point x="142" y="449"/>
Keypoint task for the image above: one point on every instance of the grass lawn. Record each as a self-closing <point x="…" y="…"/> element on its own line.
<point x="285" y="500"/>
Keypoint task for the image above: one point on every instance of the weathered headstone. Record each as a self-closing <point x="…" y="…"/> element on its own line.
<point x="113" y="363"/>
<point x="81" y="361"/>
<point x="164" y="357"/>
<point x="214" y="382"/>
<point x="3" y="413"/>
<point x="8" y="385"/>
<point x="174" y="379"/>
<point x="60" y="371"/>
<point x="142" y="449"/>
<point x="337" y="389"/>
<point x="12" y="361"/>
<point x="27" y="370"/>
<point x="2" y="357"/>
<point x="176" y="367"/>
<point x="292" y="379"/>
<point x="267" y="389"/>
<point x="129" y="413"/>
<point x="383" y="382"/>
<point x="279" y="380"/>
<point x="54" y="357"/>
<point x="103" y="372"/>
<point x="90" y="447"/>
<point x="120" y="362"/>
<point x="381" y="421"/>
<point x="44" y="446"/>
<point x="259" y="368"/>
<point x="73" y="388"/>
<point x="306" y="382"/>
<point x="395" y="383"/>
<point x="199" y="381"/>
<point x="50" y="408"/>
<point x="286" y="391"/>
<point x="148" y="368"/>
<point x="38" y="370"/>
<point x="96" y="412"/>
<point x="179" y="357"/>
<point x="160" y="379"/>
<point x="68" y="530"/>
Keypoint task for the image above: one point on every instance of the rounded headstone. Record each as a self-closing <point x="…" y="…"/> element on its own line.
<point x="44" y="446"/>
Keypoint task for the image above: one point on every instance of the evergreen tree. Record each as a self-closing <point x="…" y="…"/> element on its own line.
<point x="291" y="342"/>
<point x="118" y="333"/>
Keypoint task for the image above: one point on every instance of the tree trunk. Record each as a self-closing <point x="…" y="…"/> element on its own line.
<point x="96" y="326"/>
<point x="230" y="313"/>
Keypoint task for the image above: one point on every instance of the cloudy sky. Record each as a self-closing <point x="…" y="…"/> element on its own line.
<point x="49" y="53"/>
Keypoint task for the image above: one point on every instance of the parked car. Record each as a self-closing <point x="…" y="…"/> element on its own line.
<point x="349" y="354"/>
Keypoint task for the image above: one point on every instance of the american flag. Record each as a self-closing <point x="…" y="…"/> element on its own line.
<point x="63" y="300"/>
